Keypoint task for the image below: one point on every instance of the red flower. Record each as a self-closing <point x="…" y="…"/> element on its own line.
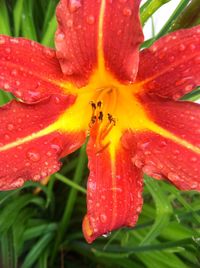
<point x="94" y="84"/>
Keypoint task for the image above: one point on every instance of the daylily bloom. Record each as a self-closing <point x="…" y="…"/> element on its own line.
<point x="97" y="84"/>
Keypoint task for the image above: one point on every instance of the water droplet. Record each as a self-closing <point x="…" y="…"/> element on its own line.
<point x="33" y="155"/>
<point x="7" y="137"/>
<point x="74" y="5"/>
<point x="60" y="37"/>
<point x="171" y="58"/>
<point x="127" y="12"/>
<point x="103" y="218"/>
<point x="69" y="23"/>
<point x="182" y="47"/>
<point x="8" y="50"/>
<point x="90" y="19"/>
<point x="6" y="86"/>
<point x="56" y="147"/>
<point x="2" y="41"/>
<point x="57" y="100"/>
<point x="10" y="127"/>
<point x="174" y="177"/>
<point x="49" y="53"/>
<point x="103" y="197"/>
<point x="17" y="83"/>
<point x="107" y="234"/>
<point x="14" y="72"/>
<point x="44" y="174"/>
<point x="49" y="153"/>
<point x="194" y="159"/>
<point x="91" y="185"/>
<point x="194" y="185"/>
<point x="18" y="183"/>
<point x="36" y="177"/>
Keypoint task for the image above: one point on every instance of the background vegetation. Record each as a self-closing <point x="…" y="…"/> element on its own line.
<point x="43" y="229"/>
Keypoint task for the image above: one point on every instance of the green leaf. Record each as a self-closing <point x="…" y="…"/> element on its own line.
<point x="37" y="250"/>
<point x="163" y="210"/>
<point x="8" y="250"/>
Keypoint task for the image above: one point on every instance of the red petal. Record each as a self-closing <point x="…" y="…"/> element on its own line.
<point x="91" y="32"/>
<point x="30" y="146"/>
<point x="171" y="67"/>
<point x="114" y="192"/>
<point x="29" y="70"/>
<point x="173" y="151"/>
<point x="122" y="37"/>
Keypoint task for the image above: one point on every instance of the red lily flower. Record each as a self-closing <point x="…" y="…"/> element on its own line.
<point x="94" y="84"/>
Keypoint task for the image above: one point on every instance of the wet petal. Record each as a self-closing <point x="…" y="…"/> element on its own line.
<point x="170" y="149"/>
<point x="171" y="67"/>
<point x="29" y="70"/>
<point x="114" y="191"/>
<point x="98" y="35"/>
<point x="31" y="142"/>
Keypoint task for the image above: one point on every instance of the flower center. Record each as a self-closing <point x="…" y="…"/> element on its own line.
<point x="102" y="116"/>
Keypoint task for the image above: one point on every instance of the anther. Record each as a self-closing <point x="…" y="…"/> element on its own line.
<point x="93" y="105"/>
<point x="100" y="117"/>
<point x="93" y="119"/>
<point x="111" y="119"/>
<point x="99" y="104"/>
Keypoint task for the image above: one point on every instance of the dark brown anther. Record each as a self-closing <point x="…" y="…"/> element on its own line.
<point x="93" y="119"/>
<point x="99" y="104"/>
<point x="93" y="105"/>
<point x="100" y="117"/>
<point x="111" y="119"/>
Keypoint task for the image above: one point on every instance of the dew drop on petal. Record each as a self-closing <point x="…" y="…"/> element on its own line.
<point x="182" y="47"/>
<point x="8" y="50"/>
<point x="173" y="176"/>
<point x="33" y="155"/>
<point x="14" y="72"/>
<point x="36" y="177"/>
<point x="127" y="12"/>
<point x="6" y="86"/>
<point x="60" y="37"/>
<point x="18" y="183"/>
<point x="55" y="147"/>
<point x="103" y="218"/>
<point x="90" y="19"/>
<point x="107" y="234"/>
<point x="2" y="41"/>
<point x="74" y="5"/>
<point x="69" y="23"/>
<point x="10" y="127"/>
<point x="194" y="159"/>
<point x="7" y="137"/>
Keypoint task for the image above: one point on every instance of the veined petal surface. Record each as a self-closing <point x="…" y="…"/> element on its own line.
<point x="29" y="70"/>
<point x="32" y="141"/>
<point x="171" y="66"/>
<point x="114" y="190"/>
<point x="170" y="148"/>
<point x="99" y="35"/>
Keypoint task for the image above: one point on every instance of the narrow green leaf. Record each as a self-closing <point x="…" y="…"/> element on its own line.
<point x="17" y="14"/>
<point x="163" y="210"/>
<point x="8" y="250"/>
<point x="28" y="28"/>
<point x="70" y="183"/>
<point x="149" y="8"/>
<point x="37" y="250"/>
<point x="4" y="19"/>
